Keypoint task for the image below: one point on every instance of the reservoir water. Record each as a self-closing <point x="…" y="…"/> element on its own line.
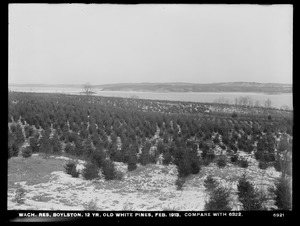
<point x="277" y="100"/>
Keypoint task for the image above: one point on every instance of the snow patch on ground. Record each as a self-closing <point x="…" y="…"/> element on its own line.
<point x="148" y="188"/>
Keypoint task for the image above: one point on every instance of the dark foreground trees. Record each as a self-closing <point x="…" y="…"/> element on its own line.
<point x="186" y="159"/>
<point x="70" y="168"/>
<point x="283" y="194"/>
<point x="218" y="196"/>
<point x="250" y="197"/>
<point x="13" y="146"/>
<point x="108" y="170"/>
<point x="131" y="156"/>
<point x="218" y="200"/>
<point x="284" y="156"/>
<point x="90" y="171"/>
<point x="26" y="152"/>
<point x="15" y="140"/>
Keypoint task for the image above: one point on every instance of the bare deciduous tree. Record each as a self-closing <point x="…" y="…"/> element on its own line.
<point x="268" y="103"/>
<point x="245" y="101"/>
<point x="236" y="101"/>
<point x="87" y="89"/>
<point x="285" y="107"/>
<point x="257" y="103"/>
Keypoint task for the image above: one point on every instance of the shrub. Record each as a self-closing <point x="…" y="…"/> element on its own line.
<point x="87" y="147"/>
<point x="223" y="146"/>
<point x="74" y="172"/>
<point x="179" y="183"/>
<point x="193" y="159"/>
<point x="13" y="146"/>
<point x="277" y="165"/>
<point x="218" y="200"/>
<point x="263" y="165"/>
<point x="195" y="167"/>
<point x="216" y="140"/>
<point x="234" y="115"/>
<point x="131" y="166"/>
<point x="145" y="156"/>
<point x="70" y="149"/>
<point x="119" y="175"/>
<point x="18" y="134"/>
<point x="45" y="144"/>
<point x="69" y="166"/>
<point x="98" y="157"/>
<point x="91" y="171"/>
<point x="26" y="129"/>
<point x="234" y="148"/>
<point x="225" y="140"/>
<point x="269" y="157"/>
<point x="183" y="169"/>
<point x="259" y="155"/>
<point x="108" y="170"/>
<point x="13" y="150"/>
<point x="283" y="194"/>
<point x="209" y="157"/>
<point x="19" y="195"/>
<point x="56" y="145"/>
<point x="154" y="156"/>
<point x="167" y="158"/>
<point x="222" y="161"/>
<point x="210" y="183"/>
<point x="131" y="158"/>
<point x="249" y="196"/>
<point x="34" y="144"/>
<point x="183" y="164"/>
<point x="206" y="161"/>
<point x="234" y="158"/>
<point x="26" y="152"/>
<point x="117" y="156"/>
<point x="243" y="163"/>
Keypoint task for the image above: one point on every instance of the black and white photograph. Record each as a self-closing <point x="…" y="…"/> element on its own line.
<point x="150" y="107"/>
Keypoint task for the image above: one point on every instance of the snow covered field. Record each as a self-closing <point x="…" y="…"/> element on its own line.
<point x="148" y="188"/>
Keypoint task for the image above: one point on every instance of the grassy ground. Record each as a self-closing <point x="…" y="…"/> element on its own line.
<point x="33" y="170"/>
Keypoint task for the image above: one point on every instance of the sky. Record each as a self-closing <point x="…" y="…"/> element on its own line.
<point x="110" y="43"/>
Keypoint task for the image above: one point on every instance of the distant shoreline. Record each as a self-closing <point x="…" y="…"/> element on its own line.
<point x="164" y="92"/>
<point x="231" y="87"/>
<point x="212" y="92"/>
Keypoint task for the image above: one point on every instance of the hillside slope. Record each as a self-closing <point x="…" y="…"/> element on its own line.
<point x="193" y="87"/>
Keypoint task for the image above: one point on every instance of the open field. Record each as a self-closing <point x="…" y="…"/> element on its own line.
<point x="150" y="187"/>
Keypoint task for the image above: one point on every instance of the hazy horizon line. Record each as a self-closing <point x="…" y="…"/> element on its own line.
<point x="196" y="83"/>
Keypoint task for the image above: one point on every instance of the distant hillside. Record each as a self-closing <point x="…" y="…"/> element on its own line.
<point x="48" y="85"/>
<point x="270" y="88"/>
<point x="193" y="87"/>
